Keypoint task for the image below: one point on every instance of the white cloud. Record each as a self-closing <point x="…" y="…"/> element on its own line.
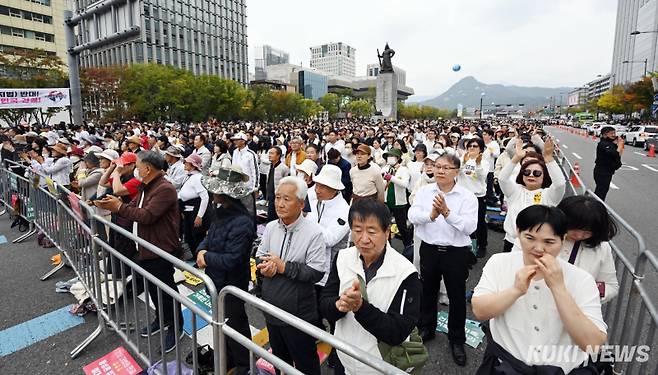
<point x="524" y="42"/>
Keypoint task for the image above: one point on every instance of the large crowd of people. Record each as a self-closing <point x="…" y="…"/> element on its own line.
<point x="334" y="197"/>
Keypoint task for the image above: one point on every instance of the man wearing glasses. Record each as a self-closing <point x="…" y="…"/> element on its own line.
<point x="444" y="216"/>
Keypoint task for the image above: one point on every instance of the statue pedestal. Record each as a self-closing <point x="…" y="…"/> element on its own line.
<point x="386" y="100"/>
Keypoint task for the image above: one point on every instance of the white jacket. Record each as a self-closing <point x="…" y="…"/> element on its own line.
<point x="335" y="229"/>
<point x="381" y="291"/>
<point x="59" y="170"/>
<point x="400" y="180"/>
<point x="473" y="176"/>
<point x="518" y="197"/>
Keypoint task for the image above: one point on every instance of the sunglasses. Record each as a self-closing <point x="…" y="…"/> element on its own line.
<point x="535" y="173"/>
<point x="473" y="146"/>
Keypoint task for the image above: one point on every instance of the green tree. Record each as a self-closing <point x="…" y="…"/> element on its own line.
<point x="331" y="103"/>
<point x="360" y="108"/>
<point x="641" y="95"/>
<point x="99" y="88"/>
<point x="612" y="101"/>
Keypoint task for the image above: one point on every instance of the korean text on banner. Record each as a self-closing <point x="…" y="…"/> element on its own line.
<point x="34" y="98"/>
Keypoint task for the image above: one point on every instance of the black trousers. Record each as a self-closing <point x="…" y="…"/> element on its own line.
<point x="164" y="271"/>
<point x="294" y="346"/>
<point x="491" y="195"/>
<point x="400" y="215"/>
<point x="602" y="180"/>
<point x="452" y="266"/>
<point x="238" y="355"/>
<point x="481" y="232"/>
<point x="193" y="236"/>
<point x="271" y="210"/>
<point x="262" y="184"/>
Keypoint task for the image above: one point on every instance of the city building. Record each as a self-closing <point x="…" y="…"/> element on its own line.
<point x="266" y="55"/>
<point x="320" y="83"/>
<point x="33" y="24"/>
<point x="204" y="37"/>
<point x="577" y="97"/>
<point x="597" y="87"/>
<point x="372" y="70"/>
<point x="636" y="39"/>
<point x="312" y="85"/>
<point x="334" y="58"/>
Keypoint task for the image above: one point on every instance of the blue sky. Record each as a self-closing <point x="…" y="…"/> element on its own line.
<point x="547" y="43"/>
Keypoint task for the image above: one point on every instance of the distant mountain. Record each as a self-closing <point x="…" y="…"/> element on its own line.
<point x="469" y="90"/>
<point x="419" y="98"/>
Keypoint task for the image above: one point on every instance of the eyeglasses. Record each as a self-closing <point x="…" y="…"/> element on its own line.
<point x="473" y="146"/>
<point x="535" y="173"/>
<point x="444" y="167"/>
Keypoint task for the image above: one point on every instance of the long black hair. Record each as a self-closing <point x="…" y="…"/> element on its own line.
<point x="587" y="213"/>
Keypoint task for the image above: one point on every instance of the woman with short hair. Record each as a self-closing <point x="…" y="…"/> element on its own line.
<point x="537" y="303"/>
<point x="538" y="182"/>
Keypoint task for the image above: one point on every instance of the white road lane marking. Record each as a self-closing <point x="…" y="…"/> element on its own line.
<point x="576" y="155"/>
<point x="628" y="168"/>
<point x="639" y="153"/>
<point x="565" y="147"/>
<point x="613" y="186"/>
<point x="650" y="167"/>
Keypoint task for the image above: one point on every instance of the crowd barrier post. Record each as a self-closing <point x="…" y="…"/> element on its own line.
<point x="626" y="314"/>
<point x="310" y="329"/>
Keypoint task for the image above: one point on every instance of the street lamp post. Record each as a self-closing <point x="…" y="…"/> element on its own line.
<point x="481" y="99"/>
<point x="638" y="62"/>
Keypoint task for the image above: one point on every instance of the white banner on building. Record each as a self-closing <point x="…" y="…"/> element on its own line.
<point x="34" y="98"/>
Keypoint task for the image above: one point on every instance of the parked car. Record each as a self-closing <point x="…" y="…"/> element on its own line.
<point x="651" y="141"/>
<point x="619" y="129"/>
<point x="595" y="127"/>
<point x="638" y="133"/>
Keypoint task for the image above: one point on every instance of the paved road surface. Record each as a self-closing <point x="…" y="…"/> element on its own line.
<point x="634" y="189"/>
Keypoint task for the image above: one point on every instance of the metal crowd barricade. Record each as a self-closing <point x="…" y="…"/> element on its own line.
<point x="17" y="186"/>
<point x="356" y="353"/>
<point x="113" y="282"/>
<point x="108" y="277"/>
<point x="632" y="317"/>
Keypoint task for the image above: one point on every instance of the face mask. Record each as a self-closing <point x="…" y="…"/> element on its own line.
<point x="391" y="160"/>
<point x="136" y="174"/>
<point x="45" y="154"/>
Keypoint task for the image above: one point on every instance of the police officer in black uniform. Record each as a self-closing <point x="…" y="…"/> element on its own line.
<point x="608" y="160"/>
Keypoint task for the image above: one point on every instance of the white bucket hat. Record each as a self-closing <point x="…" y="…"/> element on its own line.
<point x="308" y="166"/>
<point x="109" y="155"/>
<point x="330" y="176"/>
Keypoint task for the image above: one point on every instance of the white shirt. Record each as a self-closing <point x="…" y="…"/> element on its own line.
<point x="533" y="320"/>
<point x="59" y="170"/>
<point x="492" y="150"/>
<point x="455" y="230"/>
<point x="473" y="176"/>
<point x="415" y="170"/>
<point x="518" y="197"/>
<point x="332" y="217"/>
<point x="191" y="189"/>
<point x="247" y="160"/>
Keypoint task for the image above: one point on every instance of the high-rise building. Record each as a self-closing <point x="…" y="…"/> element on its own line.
<point x="632" y="49"/>
<point x="598" y="87"/>
<point x="33" y="24"/>
<point x="202" y="36"/>
<point x="373" y="71"/>
<point x="265" y="56"/>
<point x="334" y="58"/>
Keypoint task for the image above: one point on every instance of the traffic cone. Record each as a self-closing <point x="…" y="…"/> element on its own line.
<point x="652" y="151"/>
<point x="574" y="173"/>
